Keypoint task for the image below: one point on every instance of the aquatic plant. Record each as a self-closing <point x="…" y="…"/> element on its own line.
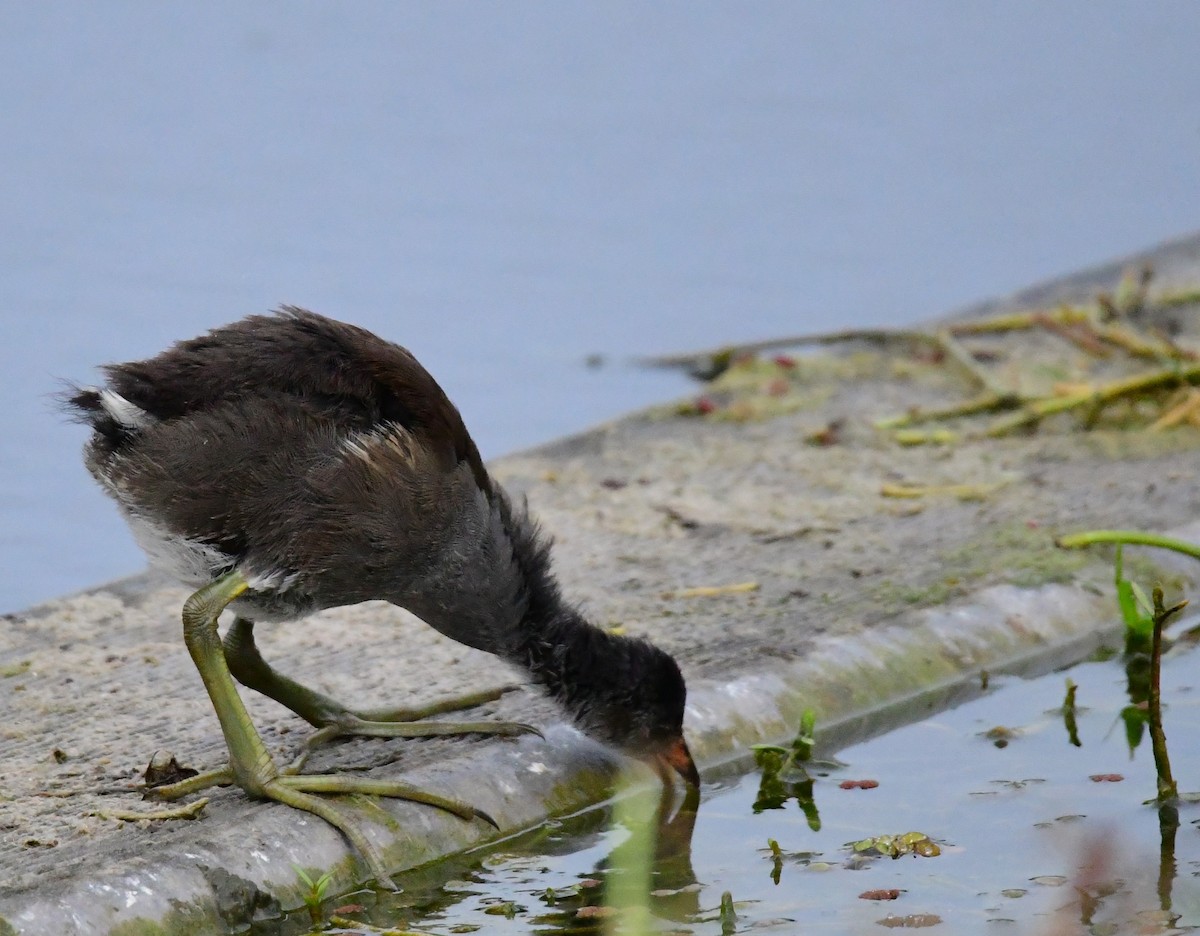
<point x="1144" y="617"/>
<point x="784" y="775"/>
<point x="315" y="894"/>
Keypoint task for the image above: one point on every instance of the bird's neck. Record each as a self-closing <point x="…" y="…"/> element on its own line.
<point x="578" y="664"/>
<point x="574" y="661"/>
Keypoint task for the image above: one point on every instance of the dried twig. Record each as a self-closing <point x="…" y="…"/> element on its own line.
<point x="1035" y="411"/>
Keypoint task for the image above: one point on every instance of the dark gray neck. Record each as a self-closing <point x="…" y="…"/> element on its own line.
<point x="579" y="665"/>
<point x="505" y="600"/>
<point x="582" y="667"/>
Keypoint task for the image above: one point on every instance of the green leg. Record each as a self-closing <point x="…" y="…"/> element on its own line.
<point x="251" y="670"/>
<point x="250" y="764"/>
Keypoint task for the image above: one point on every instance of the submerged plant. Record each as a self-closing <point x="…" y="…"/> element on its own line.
<point x="1069" y="714"/>
<point x="776" y="861"/>
<point x="728" y="915"/>
<point x="797" y="753"/>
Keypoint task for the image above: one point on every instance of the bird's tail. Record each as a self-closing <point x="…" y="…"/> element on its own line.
<point x="114" y="418"/>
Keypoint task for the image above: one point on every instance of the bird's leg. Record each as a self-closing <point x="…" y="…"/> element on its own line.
<point x="250" y="764"/>
<point x="334" y="719"/>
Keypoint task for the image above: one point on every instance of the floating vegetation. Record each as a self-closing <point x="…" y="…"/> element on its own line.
<point x="1055" y="843"/>
<point x="779" y="856"/>
<point x="889" y="893"/>
<point x="897" y="846"/>
<point x="911" y="921"/>
<point x="858" y="784"/>
<point x="1000" y="735"/>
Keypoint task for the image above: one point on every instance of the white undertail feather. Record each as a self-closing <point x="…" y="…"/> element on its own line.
<point x="123" y="412"/>
<point x="272" y="581"/>
<point x="195" y="563"/>
<point x="186" y="560"/>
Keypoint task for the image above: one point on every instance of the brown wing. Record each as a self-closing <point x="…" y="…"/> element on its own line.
<point x="357" y="379"/>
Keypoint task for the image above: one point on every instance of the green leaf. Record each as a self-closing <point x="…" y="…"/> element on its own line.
<point x="1145" y="605"/>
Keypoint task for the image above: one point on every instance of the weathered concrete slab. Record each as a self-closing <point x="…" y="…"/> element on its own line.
<point x="859" y="599"/>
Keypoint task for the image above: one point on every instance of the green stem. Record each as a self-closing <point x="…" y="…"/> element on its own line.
<point x="1132" y="537"/>
<point x="1168" y="791"/>
<point x="988" y="403"/>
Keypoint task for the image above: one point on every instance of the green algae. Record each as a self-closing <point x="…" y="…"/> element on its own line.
<point x="184" y="919"/>
<point x="1013" y="553"/>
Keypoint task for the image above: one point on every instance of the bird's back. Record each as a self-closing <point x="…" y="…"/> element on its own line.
<point x="340" y="371"/>
<point x="309" y="452"/>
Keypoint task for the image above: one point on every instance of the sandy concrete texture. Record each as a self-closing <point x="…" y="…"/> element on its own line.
<point x="845" y="599"/>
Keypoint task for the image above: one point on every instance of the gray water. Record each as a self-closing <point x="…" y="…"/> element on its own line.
<point x="509" y="188"/>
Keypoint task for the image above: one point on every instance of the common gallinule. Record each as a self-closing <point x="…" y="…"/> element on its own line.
<point x="288" y="463"/>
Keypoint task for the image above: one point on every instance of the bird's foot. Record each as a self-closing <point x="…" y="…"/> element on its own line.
<point x="305" y="792"/>
<point x="349" y="724"/>
<point x="222" y="776"/>
<point x="332" y="719"/>
<point x="334" y="711"/>
<point x="251" y="766"/>
<point x="335" y="720"/>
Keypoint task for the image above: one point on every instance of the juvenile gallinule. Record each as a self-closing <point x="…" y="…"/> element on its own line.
<point x="288" y="463"/>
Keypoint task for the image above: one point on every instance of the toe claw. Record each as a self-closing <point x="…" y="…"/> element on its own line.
<point x="480" y="814"/>
<point x="385" y="882"/>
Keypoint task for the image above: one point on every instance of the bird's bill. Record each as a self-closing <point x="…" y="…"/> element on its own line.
<point x="676" y="757"/>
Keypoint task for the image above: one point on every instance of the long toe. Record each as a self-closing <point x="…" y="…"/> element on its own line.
<point x="282" y="792"/>
<point x="352" y="725"/>
<point x="394" y="789"/>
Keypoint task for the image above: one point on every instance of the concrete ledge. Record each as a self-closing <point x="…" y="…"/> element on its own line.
<point x="860" y="601"/>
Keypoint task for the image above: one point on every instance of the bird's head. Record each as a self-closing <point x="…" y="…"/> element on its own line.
<point x="639" y="709"/>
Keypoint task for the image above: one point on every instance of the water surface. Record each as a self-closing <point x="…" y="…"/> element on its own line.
<point x="1038" y="834"/>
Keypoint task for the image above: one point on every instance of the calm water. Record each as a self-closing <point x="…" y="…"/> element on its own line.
<point x="1020" y="827"/>
<point x="507" y="189"/>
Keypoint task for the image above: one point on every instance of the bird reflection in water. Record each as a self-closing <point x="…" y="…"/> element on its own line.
<point x="651" y="870"/>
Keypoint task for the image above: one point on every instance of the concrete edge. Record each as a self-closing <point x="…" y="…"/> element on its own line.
<point x="847" y="679"/>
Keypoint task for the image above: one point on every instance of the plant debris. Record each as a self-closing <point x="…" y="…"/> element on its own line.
<point x="1123" y="338"/>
